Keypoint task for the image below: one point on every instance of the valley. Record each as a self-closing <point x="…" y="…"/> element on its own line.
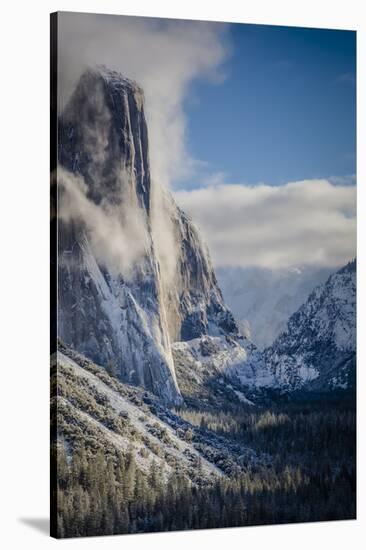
<point x="165" y="414"/>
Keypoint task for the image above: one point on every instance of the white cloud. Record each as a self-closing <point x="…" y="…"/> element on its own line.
<point x="110" y="228"/>
<point x="216" y="178"/>
<point x="163" y="56"/>
<point x="310" y="222"/>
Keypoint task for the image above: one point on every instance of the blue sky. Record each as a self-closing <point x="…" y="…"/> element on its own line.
<point x="285" y="110"/>
<point x="283" y="116"/>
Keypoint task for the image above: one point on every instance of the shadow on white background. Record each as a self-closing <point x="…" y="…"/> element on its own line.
<point x="42" y="525"/>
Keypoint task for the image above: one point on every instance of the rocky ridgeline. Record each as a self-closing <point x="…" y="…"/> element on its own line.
<point x="318" y="349"/>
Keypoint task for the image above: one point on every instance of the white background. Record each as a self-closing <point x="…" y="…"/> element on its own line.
<point x="24" y="285"/>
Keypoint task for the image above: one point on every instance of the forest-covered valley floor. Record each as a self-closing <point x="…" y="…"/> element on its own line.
<point x="311" y="476"/>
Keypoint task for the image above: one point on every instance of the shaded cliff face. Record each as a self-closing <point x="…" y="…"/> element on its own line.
<point x="318" y="349"/>
<point x="103" y="133"/>
<point x="123" y="295"/>
<point x="193" y="299"/>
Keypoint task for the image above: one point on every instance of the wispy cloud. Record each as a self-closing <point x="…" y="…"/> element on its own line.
<point x="309" y="222"/>
<point x="111" y="228"/>
<point x="163" y="56"/>
<point x="216" y="178"/>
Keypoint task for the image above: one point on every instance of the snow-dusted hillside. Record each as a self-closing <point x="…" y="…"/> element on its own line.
<point x="318" y="349"/>
<point x="94" y="408"/>
<point x="221" y="372"/>
<point x="264" y="299"/>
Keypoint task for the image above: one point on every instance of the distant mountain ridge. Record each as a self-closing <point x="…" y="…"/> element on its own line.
<point x="264" y="299"/>
<point x="315" y="354"/>
<point x="318" y="349"/>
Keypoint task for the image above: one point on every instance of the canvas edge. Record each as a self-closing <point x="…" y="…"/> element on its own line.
<point x="53" y="260"/>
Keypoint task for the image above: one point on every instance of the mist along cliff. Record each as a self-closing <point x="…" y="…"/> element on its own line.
<point x="133" y="274"/>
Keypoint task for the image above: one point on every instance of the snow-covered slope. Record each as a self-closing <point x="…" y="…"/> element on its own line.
<point x="264" y="299"/>
<point x="95" y="409"/>
<point x="221" y="372"/>
<point x="318" y="349"/>
<point x="133" y="274"/>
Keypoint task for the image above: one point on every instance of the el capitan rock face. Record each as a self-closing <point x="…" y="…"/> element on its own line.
<point x="110" y="306"/>
<point x="117" y="305"/>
